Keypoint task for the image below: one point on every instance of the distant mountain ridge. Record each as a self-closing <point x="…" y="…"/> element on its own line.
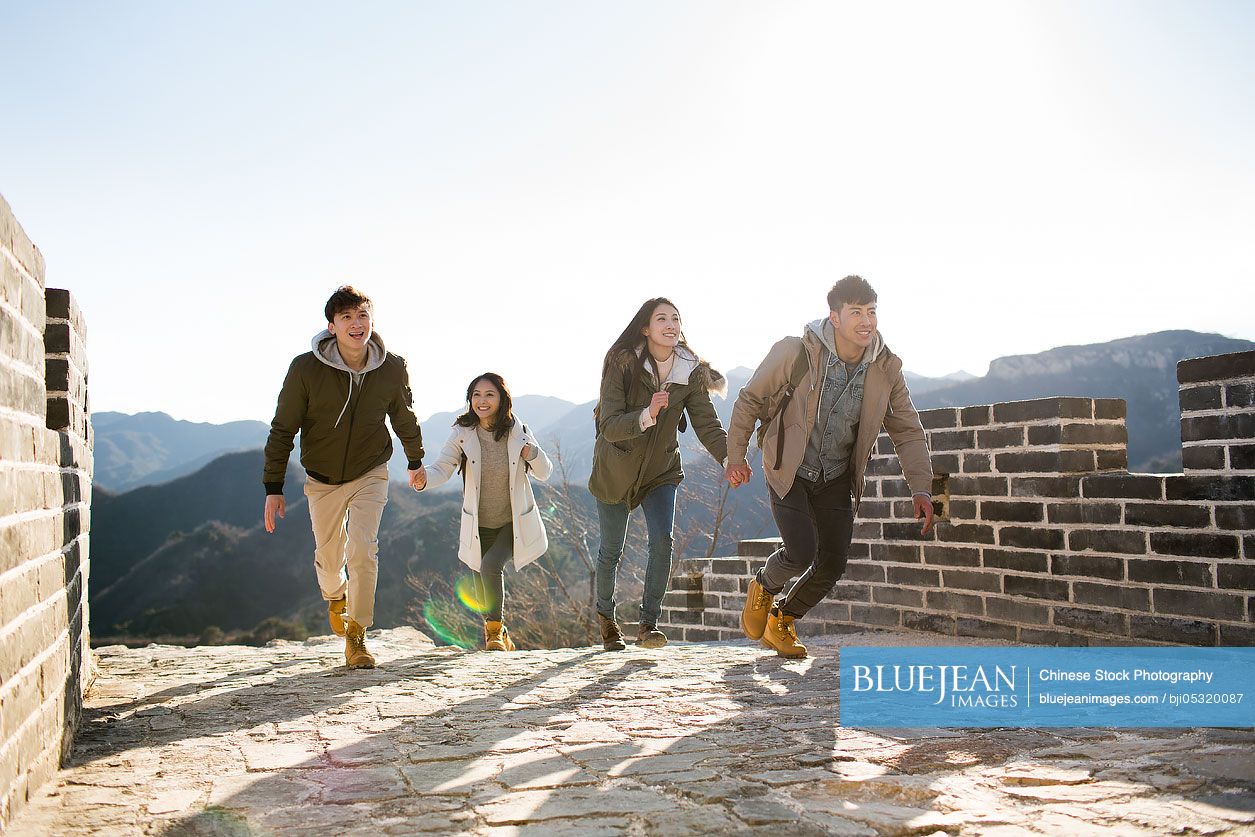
<point x="152" y="448"/>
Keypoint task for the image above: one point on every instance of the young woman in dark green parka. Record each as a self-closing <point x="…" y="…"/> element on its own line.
<point x="650" y="379"/>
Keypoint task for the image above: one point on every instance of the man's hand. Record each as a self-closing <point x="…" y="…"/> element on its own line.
<point x="924" y="509"/>
<point x="275" y="504"/>
<point x="738" y="475"/>
<point x="418" y="479"/>
<point x="658" y="403"/>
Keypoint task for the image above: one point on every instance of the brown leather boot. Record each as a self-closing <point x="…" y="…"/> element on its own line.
<point x="754" y="614"/>
<point x="355" y="653"/>
<point x="782" y="636"/>
<point x="611" y="636"/>
<point x="497" y="637"/>
<point x="335" y="615"/>
<point x="648" y="636"/>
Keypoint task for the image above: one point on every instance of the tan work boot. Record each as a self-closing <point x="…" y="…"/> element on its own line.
<point x="611" y="636"/>
<point x="335" y="615"/>
<point x="497" y="637"/>
<point x="754" y="614"/>
<point x="648" y="636"/>
<point x="781" y="635"/>
<point x="355" y="653"/>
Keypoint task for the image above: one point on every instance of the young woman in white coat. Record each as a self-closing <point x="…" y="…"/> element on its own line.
<point x="500" y="520"/>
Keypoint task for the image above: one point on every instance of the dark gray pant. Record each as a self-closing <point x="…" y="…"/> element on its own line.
<point x="498" y="548"/>
<point x="816" y="522"/>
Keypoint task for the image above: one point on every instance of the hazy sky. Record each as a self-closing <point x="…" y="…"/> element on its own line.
<point x="510" y="180"/>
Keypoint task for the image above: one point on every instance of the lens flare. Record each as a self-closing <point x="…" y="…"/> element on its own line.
<point x="450" y="624"/>
<point x="469" y="594"/>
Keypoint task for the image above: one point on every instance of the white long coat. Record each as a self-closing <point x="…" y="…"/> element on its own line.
<point x="530" y="540"/>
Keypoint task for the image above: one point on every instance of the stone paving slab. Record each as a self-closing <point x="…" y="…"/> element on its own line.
<point x="690" y="739"/>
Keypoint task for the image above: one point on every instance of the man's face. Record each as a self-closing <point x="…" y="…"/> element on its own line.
<point x="352" y="327"/>
<point x="855" y="324"/>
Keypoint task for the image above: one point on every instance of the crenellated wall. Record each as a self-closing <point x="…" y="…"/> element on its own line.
<point x="1044" y="537"/>
<point x="45" y="491"/>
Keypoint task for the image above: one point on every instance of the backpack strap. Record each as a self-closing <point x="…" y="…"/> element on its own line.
<point x="796" y="375"/>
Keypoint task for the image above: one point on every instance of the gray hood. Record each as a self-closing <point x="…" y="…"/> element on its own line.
<point x="325" y="349"/>
<point x="822" y="329"/>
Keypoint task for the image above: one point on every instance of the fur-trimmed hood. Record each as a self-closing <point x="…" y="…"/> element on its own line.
<point x="687" y="363"/>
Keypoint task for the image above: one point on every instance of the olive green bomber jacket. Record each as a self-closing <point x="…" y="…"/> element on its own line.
<point x="340" y="415"/>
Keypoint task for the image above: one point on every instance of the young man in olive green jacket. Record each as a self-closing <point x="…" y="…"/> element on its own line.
<point x="336" y="396"/>
<point x="821" y="400"/>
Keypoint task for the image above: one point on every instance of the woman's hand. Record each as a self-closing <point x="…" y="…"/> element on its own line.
<point x="658" y="403"/>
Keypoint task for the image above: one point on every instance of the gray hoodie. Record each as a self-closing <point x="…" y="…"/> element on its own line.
<point x="327" y="350"/>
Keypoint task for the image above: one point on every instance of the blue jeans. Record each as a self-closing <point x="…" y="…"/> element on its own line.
<point x="659" y="507"/>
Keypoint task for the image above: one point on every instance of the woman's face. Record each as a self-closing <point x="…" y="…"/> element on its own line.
<point x="663" y="330"/>
<point x="485" y="400"/>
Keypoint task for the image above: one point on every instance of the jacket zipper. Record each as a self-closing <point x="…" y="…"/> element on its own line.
<point x="344" y="464"/>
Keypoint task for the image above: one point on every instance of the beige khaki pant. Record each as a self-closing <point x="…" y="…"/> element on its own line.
<point x="346" y="538"/>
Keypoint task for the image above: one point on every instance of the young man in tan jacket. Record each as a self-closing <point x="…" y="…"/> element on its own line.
<point x="336" y="396"/>
<point x="821" y="400"/>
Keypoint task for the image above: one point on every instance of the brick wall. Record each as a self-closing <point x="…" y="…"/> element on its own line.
<point x="45" y="488"/>
<point x="1045" y="537"/>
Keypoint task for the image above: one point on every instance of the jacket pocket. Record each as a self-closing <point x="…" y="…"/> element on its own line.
<point x="531" y="527"/>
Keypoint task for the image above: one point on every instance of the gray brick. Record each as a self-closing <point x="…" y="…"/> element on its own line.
<point x="1242" y="457"/>
<point x="1030" y="538"/>
<point x="1044" y="408"/>
<point x="1208" y="397"/>
<point x="1093" y="566"/>
<point x="1239" y="395"/>
<point x="1132" y="486"/>
<point x="1041" y="636"/>
<point x="951" y="440"/>
<point x="1166" y="514"/>
<point x="1187" y="573"/>
<point x="1004" y="559"/>
<point x="1178" y="631"/>
<point x="1094" y="621"/>
<point x="1015" y="610"/>
<point x="1177" y="602"/>
<point x="913" y="576"/>
<point x="952" y="602"/>
<point x="1051" y="487"/>
<point x="898" y="596"/>
<point x="1236" y="576"/>
<point x="1110" y="409"/>
<point x="1231" y="426"/>
<point x="864" y="571"/>
<point x="1107" y="540"/>
<point x="874" y="615"/>
<point x="899" y="553"/>
<point x="939" y="417"/>
<point x="975" y="416"/>
<point x="1194" y="544"/>
<point x="964" y="533"/>
<point x="1000" y="437"/>
<point x="1203" y="458"/>
<point x="976" y="463"/>
<point x="978" y="486"/>
<point x="1090" y="512"/>
<point x="1040" y="461"/>
<point x="1035" y="587"/>
<point x="1216" y="368"/>
<point x="937" y="623"/>
<point x="1015" y="511"/>
<point x="972" y="580"/>
<point x="951" y="556"/>
<point x="850" y="592"/>
<point x="1235" y="517"/>
<point x="1210" y="487"/>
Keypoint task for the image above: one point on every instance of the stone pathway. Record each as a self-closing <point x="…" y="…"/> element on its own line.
<point x="691" y="739"/>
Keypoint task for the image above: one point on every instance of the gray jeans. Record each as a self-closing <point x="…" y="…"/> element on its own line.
<point x="498" y="547"/>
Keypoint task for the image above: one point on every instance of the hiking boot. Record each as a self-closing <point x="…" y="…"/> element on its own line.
<point x="355" y="653"/>
<point x="335" y="615"/>
<point x="782" y="636"/>
<point x="611" y="636"/>
<point x="754" y="614"/>
<point x="497" y="637"/>
<point x="648" y="636"/>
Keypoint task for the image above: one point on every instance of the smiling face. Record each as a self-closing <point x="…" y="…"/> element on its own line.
<point x="485" y="401"/>
<point x="352" y="329"/>
<point x="855" y="328"/>
<point x="662" y="333"/>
